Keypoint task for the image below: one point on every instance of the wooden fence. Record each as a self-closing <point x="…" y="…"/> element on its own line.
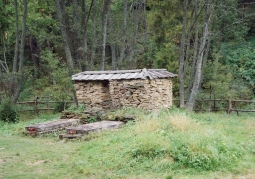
<point x="40" y="103"/>
<point x="44" y="103"/>
<point x="229" y="106"/>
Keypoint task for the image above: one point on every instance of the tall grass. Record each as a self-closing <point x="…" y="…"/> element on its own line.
<point x="166" y="144"/>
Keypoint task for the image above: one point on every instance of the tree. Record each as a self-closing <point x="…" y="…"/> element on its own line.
<point x="105" y="14"/>
<point x="67" y="48"/>
<point x="182" y="53"/>
<point x="21" y="53"/>
<point x="203" y="41"/>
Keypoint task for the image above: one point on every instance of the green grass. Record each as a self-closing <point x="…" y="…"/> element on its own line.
<point x="165" y="144"/>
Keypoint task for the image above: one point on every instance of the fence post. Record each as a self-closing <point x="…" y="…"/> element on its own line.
<point x="35" y="105"/>
<point x="229" y="106"/>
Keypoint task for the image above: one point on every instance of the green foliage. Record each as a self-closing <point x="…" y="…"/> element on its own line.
<point x="77" y="109"/>
<point x="166" y="27"/>
<point x="8" y="113"/>
<point x="59" y="107"/>
<point x="57" y="82"/>
<point x="91" y="119"/>
<point x="241" y="58"/>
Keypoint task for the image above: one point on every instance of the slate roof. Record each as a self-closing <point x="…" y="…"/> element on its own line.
<point x="123" y="74"/>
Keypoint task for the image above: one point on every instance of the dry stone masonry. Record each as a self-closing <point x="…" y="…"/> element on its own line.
<point x="93" y="94"/>
<point x="145" y="94"/>
<point x="146" y="89"/>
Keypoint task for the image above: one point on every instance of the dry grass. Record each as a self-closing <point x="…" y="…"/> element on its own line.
<point x="180" y="122"/>
<point x="146" y="126"/>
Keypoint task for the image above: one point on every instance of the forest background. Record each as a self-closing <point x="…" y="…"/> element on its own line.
<point x="210" y="44"/>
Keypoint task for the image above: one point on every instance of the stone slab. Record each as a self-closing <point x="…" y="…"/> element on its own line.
<point x="51" y="125"/>
<point x="93" y="127"/>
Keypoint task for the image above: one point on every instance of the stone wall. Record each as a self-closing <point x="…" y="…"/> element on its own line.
<point x="93" y="94"/>
<point x="145" y="94"/>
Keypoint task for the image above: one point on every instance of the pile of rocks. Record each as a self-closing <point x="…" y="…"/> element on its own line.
<point x="85" y="116"/>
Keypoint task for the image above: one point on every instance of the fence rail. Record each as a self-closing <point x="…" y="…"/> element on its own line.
<point x="40" y="104"/>
<point x="226" y="105"/>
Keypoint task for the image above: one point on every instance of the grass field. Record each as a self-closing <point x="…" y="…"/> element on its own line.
<point x="167" y="144"/>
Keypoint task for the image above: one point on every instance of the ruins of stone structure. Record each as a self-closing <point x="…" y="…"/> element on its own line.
<point x="145" y="88"/>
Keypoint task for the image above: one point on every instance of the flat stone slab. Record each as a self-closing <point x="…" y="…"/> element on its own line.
<point x="51" y="126"/>
<point x="93" y="127"/>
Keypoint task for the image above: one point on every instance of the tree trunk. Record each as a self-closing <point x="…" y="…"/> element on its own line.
<point x="65" y="39"/>
<point x="1" y="79"/>
<point x="67" y="49"/>
<point x="15" y="59"/>
<point x="104" y="30"/>
<point x="136" y="19"/>
<point x="207" y="50"/>
<point x="85" y="45"/>
<point x="21" y="54"/>
<point x="94" y="38"/>
<point x="32" y="43"/>
<point x="16" y="51"/>
<point x="195" y="49"/>
<point x="112" y="44"/>
<point x="182" y="53"/>
<point x="123" y="38"/>
<point x="198" y="73"/>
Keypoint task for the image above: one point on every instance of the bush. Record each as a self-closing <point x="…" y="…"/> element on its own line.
<point x="59" y="107"/>
<point x="8" y="112"/>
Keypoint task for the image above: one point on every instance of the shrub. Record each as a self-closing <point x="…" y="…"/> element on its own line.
<point x="8" y="113"/>
<point x="59" y="107"/>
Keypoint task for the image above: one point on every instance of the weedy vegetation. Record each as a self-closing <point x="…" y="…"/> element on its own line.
<point x="164" y="144"/>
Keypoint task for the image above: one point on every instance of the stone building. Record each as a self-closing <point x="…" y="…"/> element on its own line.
<point x="144" y="88"/>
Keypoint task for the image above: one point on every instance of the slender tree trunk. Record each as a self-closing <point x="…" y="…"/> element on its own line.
<point x="32" y="44"/>
<point x="1" y="79"/>
<point x="112" y="44"/>
<point x="65" y="38"/>
<point x="198" y="73"/>
<point x="67" y="49"/>
<point x="75" y="43"/>
<point x="207" y="50"/>
<point x="93" y="46"/>
<point x="16" y="50"/>
<point x="136" y="18"/>
<point x="94" y="38"/>
<point x="84" y="63"/>
<point x="21" y="54"/>
<point x="123" y="38"/>
<point x="195" y="49"/>
<point x="104" y="30"/>
<point x="182" y="53"/>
